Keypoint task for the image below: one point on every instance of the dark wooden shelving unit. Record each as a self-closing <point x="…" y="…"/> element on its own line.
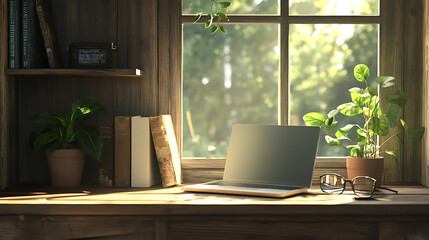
<point x="72" y="72"/>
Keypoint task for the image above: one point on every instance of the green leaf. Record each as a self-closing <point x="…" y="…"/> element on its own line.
<point x="385" y="81"/>
<point x="90" y="142"/>
<point x="223" y="16"/>
<point x="415" y="132"/>
<point x="313" y="119"/>
<point x="197" y="17"/>
<point x="393" y="114"/>
<point x="356" y="152"/>
<point x="208" y="24"/>
<point x="361" y="135"/>
<point x="349" y="109"/>
<point x="48" y="117"/>
<point x="394" y="154"/>
<point x="371" y="91"/>
<point x="332" y="141"/>
<point x="344" y="131"/>
<point x="402" y="122"/>
<point x="380" y="126"/>
<point x="332" y="125"/>
<point x="224" y="4"/>
<point x="222" y="29"/>
<point x="44" y="139"/>
<point x="359" y="97"/>
<point x="214" y="29"/>
<point x="361" y="72"/>
<point x="399" y="98"/>
<point x="333" y="113"/>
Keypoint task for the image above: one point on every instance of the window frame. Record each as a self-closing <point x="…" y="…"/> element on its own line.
<point x="391" y="20"/>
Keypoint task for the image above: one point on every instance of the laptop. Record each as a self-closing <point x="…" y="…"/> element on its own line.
<point x="266" y="160"/>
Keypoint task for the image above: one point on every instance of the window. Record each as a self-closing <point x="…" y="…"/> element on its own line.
<point x="278" y="61"/>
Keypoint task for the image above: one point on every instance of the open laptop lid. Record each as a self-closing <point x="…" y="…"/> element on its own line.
<point x="272" y="154"/>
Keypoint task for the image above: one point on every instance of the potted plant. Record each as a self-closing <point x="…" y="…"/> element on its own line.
<point x="66" y="142"/>
<point x="364" y="148"/>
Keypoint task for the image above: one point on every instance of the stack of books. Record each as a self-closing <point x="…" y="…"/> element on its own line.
<point x="139" y="152"/>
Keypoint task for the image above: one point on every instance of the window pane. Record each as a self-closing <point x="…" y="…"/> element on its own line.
<point x="333" y="7"/>
<point x="237" y="6"/>
<point x="322" y="59"/>
<point x="227" y="79"/>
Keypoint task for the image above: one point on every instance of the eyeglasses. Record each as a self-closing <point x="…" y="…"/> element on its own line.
<point x="363" y="186"/>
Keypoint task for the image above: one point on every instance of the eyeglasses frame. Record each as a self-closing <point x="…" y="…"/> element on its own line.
<point x="374" y="181"/>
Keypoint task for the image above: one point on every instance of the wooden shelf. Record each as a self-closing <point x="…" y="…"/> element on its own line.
<point x="71" y="72"/>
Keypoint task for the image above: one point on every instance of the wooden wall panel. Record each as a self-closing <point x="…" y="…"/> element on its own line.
<point x="413" y="87"/>
<point x="391" y="64"/>
<point x="133" y="26"/>
<point x="425" y="96"/>
<point x="3" y="95"/>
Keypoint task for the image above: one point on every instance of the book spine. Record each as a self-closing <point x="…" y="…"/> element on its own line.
<point x="144" y="167"/>
<point x="122" y="139"/>
<point x="25" y="34"/>
<point x="166" y="150"/>
<point x="106" y="169"/>
<point x="48" y="34"/>
<point x="13" y="32"/>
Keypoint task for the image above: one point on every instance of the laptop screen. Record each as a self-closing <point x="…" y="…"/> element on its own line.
<point x="272" y="154"/>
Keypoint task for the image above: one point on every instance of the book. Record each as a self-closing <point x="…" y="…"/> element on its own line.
<point x="166" y="150"/>
<point x="33" y="54"/>
<point x="48" y="33"/>
<point x="122" y="149"/>
<point x="106" y="167"/>
<point x="144" y="166"/>
<point x="13" y="33"/>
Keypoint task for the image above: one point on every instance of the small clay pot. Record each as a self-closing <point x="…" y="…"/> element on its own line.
<point x="66" y="166"/>
<point x="372" y="167"/>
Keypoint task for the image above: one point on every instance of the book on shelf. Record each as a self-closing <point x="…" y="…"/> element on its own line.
<point x="48" y="33"/>
<point x="144" y="166"/>
<point x="32" y="48"/>
<point x="106" y="166"/>
<point x="166" y="149"/>
<point x="122" y="151"/>
<point x="13" y="33"/>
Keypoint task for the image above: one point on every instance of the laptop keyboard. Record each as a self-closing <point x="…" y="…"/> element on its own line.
<point x="252" y="185"/>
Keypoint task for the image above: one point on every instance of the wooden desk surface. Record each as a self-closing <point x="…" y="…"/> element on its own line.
<point x="173" y="201"/>
<point x="170" y="213"/>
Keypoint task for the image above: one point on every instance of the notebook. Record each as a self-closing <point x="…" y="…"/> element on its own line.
<point x="266" y="160"/>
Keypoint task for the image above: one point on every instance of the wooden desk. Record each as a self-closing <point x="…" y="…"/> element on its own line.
<point x="173" y="214"/>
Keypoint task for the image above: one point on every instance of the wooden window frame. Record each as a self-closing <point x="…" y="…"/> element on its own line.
<point x="394" y="56"/>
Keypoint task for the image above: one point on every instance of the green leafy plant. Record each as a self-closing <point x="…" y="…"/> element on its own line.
<point x="365" y="103"/>
<point x="216" y="15"/>
<point x="65" y="131"/>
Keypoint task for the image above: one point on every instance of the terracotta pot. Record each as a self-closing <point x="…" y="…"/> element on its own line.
<point x="372" y="167"/>
<point x="66" y="166"/>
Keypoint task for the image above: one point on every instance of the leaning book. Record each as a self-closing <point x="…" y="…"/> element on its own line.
<point x="13" y="33"/>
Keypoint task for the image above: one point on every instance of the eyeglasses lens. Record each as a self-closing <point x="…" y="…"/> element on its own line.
<point x="363" y="187"/>
<point x="332" y="183"/>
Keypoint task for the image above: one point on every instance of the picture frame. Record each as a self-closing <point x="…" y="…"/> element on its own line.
<point x="97" y="55"/>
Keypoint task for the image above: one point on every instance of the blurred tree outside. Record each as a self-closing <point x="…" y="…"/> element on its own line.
<point x="234" y="78"/>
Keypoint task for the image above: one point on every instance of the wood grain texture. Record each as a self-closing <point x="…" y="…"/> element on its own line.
<point x="425" y="103"/>
<point x="391" y="64"/>
<point x="122" y="152"/>
<point x="413" y="73"/>
<point x="4" y="110"/>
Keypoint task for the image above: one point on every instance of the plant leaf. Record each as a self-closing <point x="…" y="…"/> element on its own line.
<point x="359" y="97"/>
<point x="349" y="109"/>
<point x="196" y="18"/>
<point x="209" y="22"/>
<point x="361" y="135"/>
<point x="371" y="91"/>
<point x="89" y="142"/>
<point x="380" y="126"/>
<point x="222" y="29"/>
<point x="399" y="98"/>
<point x="224" y="4"/>
<point x="415" y="132"/>
<point x="213" y="29"/>
<point x="361" y="72"/>
<point x="223" y="16"/>
<point x="48" y="117"/>
<point x="332" y="141"/>
<point x="313" y="119"/>
<point x="333" y="113"/>
<point x="394" y="154"/>
<point x="44" y="139"/>
<point x="393" y="114"/>
<point x="385" y="81"/>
